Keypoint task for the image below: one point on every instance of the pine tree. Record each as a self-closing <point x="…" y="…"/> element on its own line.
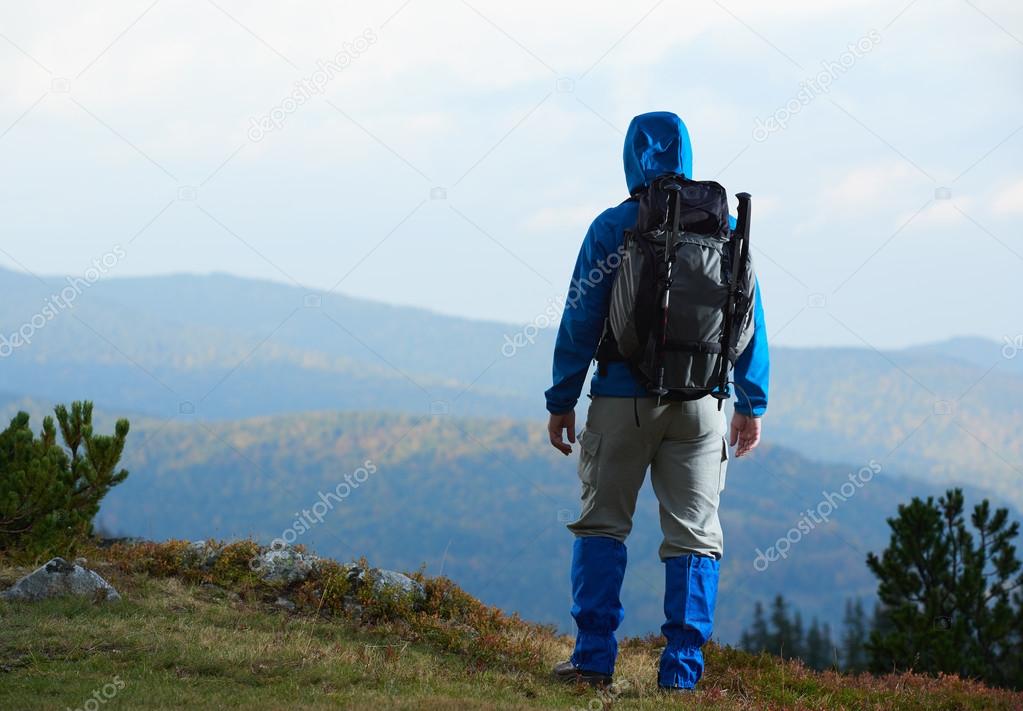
<point x="778" y="637"/>
<point x="950" y="597"/>
<point x="755" y="639"/>
<point x="879" y="621"/>
<point x="816" y="653"/>
<point x="854" y="637"/>
<point x="782" y="635"/>
<point x="797" y="644"/>
<point x="49" y="495"/>
<point x="830" y="650"/>
<point x="785" y="637"/>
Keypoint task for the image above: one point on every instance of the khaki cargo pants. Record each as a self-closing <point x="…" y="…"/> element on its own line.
<point x="685" y="448"/>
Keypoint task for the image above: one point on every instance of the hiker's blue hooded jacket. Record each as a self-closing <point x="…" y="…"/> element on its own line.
<point x="656" y="143"/>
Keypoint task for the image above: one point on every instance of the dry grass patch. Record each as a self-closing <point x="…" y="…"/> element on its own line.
<point x="191" y="636"/>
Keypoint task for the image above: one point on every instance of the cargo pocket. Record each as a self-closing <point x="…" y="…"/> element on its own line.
<point x="589" y="456"/>
<point x="724" y="465"/>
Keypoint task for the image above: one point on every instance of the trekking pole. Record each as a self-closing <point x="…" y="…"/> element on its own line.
<point x="740" y="253"/>
<point x="675" y="212"/>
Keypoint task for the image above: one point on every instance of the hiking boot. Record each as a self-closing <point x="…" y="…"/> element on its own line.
<point x="569" y="673"/>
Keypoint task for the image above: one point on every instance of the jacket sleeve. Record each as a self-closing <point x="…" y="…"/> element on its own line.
<point x="753" y="367"/>
<point x="582" y="320"/>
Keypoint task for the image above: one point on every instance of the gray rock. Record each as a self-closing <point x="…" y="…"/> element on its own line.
<point x="58" y="578"/>
<point x="202" y="554"/>
<point x="390" y="580"/>
<point x="284" y="565"/>
<point x="393" y="579"/>
<point x="286" y="604"/>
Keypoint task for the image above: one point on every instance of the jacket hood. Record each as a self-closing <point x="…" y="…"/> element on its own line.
<point x="656" y="143"/>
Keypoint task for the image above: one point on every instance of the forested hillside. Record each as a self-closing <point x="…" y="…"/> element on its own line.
<point x="484" y="501"/>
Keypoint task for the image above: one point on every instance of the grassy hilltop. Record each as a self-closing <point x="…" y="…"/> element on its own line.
<point x="192" y="635"/>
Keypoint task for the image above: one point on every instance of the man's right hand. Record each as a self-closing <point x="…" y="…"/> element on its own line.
<point x="556" y="425"/>
<point x="745" y="432"/>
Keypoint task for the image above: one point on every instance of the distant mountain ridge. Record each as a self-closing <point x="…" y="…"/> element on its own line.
<point x="224" y="347"/>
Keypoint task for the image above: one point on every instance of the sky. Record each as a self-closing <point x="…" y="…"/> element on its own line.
<point x="450" y="154"/>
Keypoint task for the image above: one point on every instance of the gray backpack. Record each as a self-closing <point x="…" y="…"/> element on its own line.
<point x="682" y="301"/>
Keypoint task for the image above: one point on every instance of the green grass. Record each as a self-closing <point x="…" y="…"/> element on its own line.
<point x="173" y="643"/>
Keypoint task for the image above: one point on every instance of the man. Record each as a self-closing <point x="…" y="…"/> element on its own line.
<point x="683" y="443"/>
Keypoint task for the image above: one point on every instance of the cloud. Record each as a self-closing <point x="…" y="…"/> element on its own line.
<point x="456" y="91"/>
<point x="942" y="212"/>
<point x="867" y="187"/>
<point x="1009" y="200"/>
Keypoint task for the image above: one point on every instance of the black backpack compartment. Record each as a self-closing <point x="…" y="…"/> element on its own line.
<point x="699" y="294"/>
<point x="693" y="343"/>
